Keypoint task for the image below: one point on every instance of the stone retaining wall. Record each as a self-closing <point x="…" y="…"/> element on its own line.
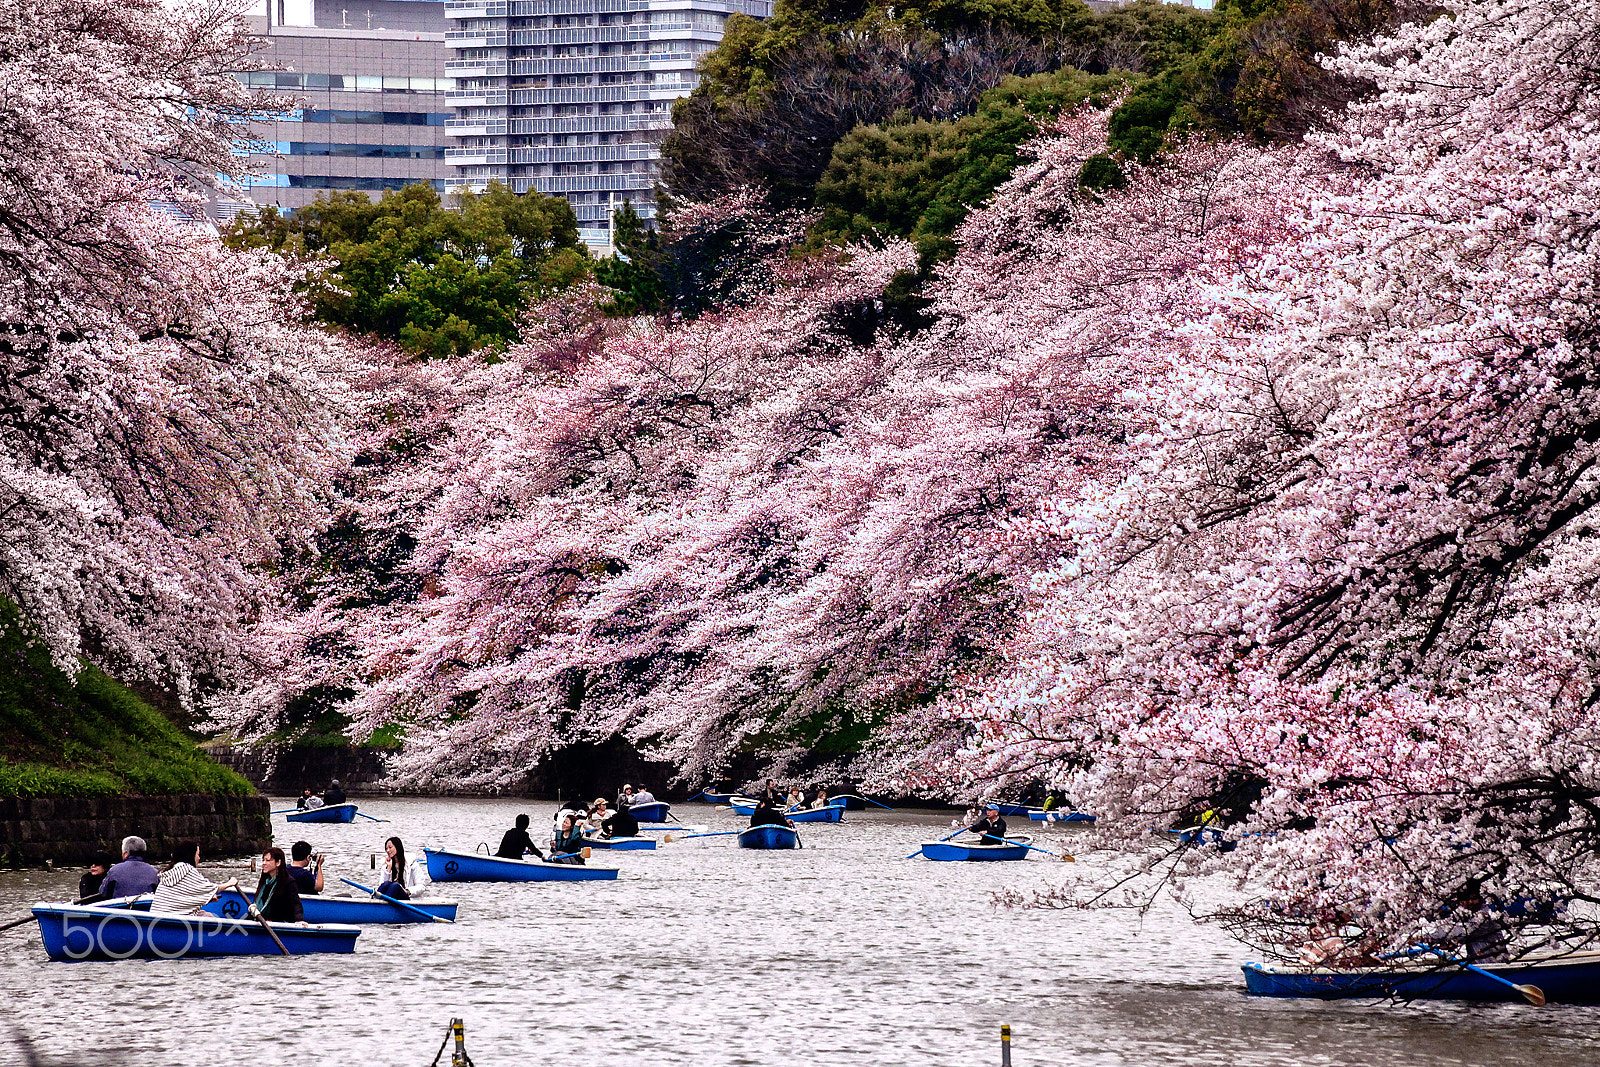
<point x="68" y="830"/>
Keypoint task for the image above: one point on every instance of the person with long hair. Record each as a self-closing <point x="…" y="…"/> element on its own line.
<point x="567" y="846"/>
<point x="277" y="898"/>
<point x="394" y="870"/>
<point x="183" y="889"/>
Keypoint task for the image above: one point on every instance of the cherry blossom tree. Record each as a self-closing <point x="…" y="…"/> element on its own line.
<point x="777" y="519"/>
<point x="1342" y="594"/>
<point x="166" y="426"/>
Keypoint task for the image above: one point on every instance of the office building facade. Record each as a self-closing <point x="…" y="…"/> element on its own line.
<point x="370" y="75"/>
<point x="573" y="97"/>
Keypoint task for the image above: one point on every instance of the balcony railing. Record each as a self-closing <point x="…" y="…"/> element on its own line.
<point x="657" y="120"/>
<point x="474" y="157"/>
<point x="476" y="68"/>
<point x="597" y="153"/>
<point x="605" y="64"/>
<point x="475" y="9"/>
<point x="475" y="38"/>
<point x="475" y="98"/>
<point x="590" y="183"/>
<point x="475" y="128"/>
<point x="600" y="94"/>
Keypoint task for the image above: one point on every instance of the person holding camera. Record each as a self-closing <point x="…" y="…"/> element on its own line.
<point x="305" y="869"/>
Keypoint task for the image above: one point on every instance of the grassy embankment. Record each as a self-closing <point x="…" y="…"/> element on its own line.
<point x="89" y="737"/>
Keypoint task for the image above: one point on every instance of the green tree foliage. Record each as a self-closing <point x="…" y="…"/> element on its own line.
<point x="918" y="179"/>
<point x="1256" y="74"/>
<point x="438" y="281"/>
<point x="638" y="269"/>
<point x="88" y="736"/>
<point x="892" y="119"/>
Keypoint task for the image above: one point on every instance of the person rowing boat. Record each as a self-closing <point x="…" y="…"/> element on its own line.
<point x="991" y="829"/>
<point x="767" y="814"/>
<point x="622" y="824"/>
<point x="516" y="842"/>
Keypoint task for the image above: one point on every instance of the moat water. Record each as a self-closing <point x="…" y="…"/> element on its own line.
<point x="704" y="954"/>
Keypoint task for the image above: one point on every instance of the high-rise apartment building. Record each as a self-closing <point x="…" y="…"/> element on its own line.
<point x="569" y="97"/>
<point x="370" y="74"/>
<point x="572" y="97"/>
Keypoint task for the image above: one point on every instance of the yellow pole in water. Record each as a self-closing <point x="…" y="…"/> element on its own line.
<point x="1005" y="1046"/>
<point x="459" y="1057"/>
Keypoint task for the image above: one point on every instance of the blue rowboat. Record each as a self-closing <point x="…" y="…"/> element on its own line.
<point x="715" y="798"/>
<point x="742" y="806"/>
<point x="1569" y="979"/>
<point x="447" y="865"/>
<point x="74" y="932"/>
<point x="342" y="909"/>
<point x="1038" y="815"/>
<point x="830" y="813"/>
<point x="769" y="837"/>
<point x="961" y="850"/>
<point x="1017" y="809"/>
<point x="620" y="843"/>
<point x="655" y="811"/>
<point x="330" y="813"/>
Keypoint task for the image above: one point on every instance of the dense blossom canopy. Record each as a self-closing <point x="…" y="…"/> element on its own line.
<point x="163" y="422"/>
<point x="1344" y="593"/>
<point x="1253" y="481"/>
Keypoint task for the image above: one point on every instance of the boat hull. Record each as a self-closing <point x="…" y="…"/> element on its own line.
<point x="1060" y="816"/>
<point x="951" y="851"/>
<point x="652" y="812"/>
<point x="772" y="837"/>
<point x="358" y="911"/>
<point x="1016" y="809"/>
<point x="75" y="933"/>
<point x="446" y="865"/>
<point x="1571" y="979"/>
<point x="831" y="813"/>
<point x="621" y="844"/>
<point x="715" y="798"/>
<point x="330" y="813"/>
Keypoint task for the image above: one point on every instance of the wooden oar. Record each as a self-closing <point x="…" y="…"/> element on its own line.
<point x="29" y="918"/>
<point x="398" y="903"/>
<point x="364" y="815"/>
<point x="868" y="800"/>
<point x="941" y="840"/>
<point x="276" y="940"/>
<point x="686" y="837"/>
<point x="1532" y="993"/>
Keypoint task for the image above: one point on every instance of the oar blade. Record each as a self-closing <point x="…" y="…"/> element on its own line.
<point x="1532" y="993"/>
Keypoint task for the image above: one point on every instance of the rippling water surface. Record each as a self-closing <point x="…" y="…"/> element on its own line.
<point x="702" y="953"/>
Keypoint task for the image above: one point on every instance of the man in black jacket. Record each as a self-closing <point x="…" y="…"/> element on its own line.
<point x="334" y="794"/>
<point x="622" y="824"/>
<point x="768" y="815"/>
<point x="516" y="841"/>
<point x="991" y="829"/>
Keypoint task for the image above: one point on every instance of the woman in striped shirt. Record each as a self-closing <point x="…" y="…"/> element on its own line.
<point x="183" y="889"/>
